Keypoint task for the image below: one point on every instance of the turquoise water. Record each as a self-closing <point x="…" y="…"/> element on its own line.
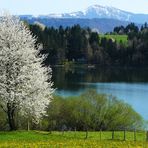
<point x="129" y="85"/>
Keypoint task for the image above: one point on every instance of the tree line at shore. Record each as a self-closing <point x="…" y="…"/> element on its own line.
<point x="82" y="45"/>
<point x="88" y="112"/>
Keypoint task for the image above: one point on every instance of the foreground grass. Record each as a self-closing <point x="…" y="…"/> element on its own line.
<point x="21" y="139"/>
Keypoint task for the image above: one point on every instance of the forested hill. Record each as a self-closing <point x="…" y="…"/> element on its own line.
<point x="100" y="24"/>
<point x="78" y="45"/>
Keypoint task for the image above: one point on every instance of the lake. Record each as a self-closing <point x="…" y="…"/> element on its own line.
<point x="130" y="85"/>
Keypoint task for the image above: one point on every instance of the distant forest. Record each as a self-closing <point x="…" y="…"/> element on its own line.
<point x="83" y="46"/>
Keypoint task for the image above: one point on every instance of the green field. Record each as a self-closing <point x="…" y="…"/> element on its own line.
<point x="118" y="38"/>
<point x="35" y="139"/>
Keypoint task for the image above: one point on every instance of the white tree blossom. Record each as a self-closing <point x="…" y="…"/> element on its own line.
<point x="25" y="85"/>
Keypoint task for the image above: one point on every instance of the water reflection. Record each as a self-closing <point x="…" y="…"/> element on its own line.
<point x="70" y="79"/>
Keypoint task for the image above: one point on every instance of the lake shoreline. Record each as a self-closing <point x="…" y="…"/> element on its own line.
<point x="96" y="66"/>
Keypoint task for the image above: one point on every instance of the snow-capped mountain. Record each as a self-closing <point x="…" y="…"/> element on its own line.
<point x="101" y="18"/>
<point x="97" y="11"/>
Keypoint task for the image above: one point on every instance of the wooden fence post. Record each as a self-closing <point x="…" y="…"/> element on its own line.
<point x="134" y="135"/>
<point x="112" y="135"/>
<point x="100" y="134"/>
<point x="146" y="135"/>
<point x="124" y="135"/>
<point x="75" y="131"/>
<point x="86" y="134"/>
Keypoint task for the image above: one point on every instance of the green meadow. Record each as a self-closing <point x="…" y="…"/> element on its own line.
<point x="35" y="139"/>
<point x="117" y="38"/>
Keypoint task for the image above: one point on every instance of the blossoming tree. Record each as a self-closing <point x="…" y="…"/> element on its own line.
<point x="25" y="84"/>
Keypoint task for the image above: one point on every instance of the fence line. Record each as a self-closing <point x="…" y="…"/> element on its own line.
<point x="112" y="135"/>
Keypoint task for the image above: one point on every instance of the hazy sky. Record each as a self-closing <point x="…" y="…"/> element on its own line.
<point x="59" y="6"/>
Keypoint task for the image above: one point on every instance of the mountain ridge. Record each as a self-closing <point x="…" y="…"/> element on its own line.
<point x="100" y="18"/>
<point x="98" y="11"/>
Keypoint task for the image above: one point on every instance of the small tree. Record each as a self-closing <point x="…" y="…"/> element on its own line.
<point x="25" y="85"/>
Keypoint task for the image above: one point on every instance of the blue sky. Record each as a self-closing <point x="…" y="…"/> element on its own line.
<point x="36" y="7"/>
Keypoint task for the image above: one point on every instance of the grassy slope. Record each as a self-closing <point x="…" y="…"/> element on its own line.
<point x="123" y="38"/>
<point x="70" y="139"/>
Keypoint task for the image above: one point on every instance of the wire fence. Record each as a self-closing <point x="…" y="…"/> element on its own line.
<point x="108" y="135"/>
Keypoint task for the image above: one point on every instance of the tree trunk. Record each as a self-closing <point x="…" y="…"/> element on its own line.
<point x="11" y="119"/>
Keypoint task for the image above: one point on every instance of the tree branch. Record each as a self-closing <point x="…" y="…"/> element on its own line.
<point x="3" y="108"/>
